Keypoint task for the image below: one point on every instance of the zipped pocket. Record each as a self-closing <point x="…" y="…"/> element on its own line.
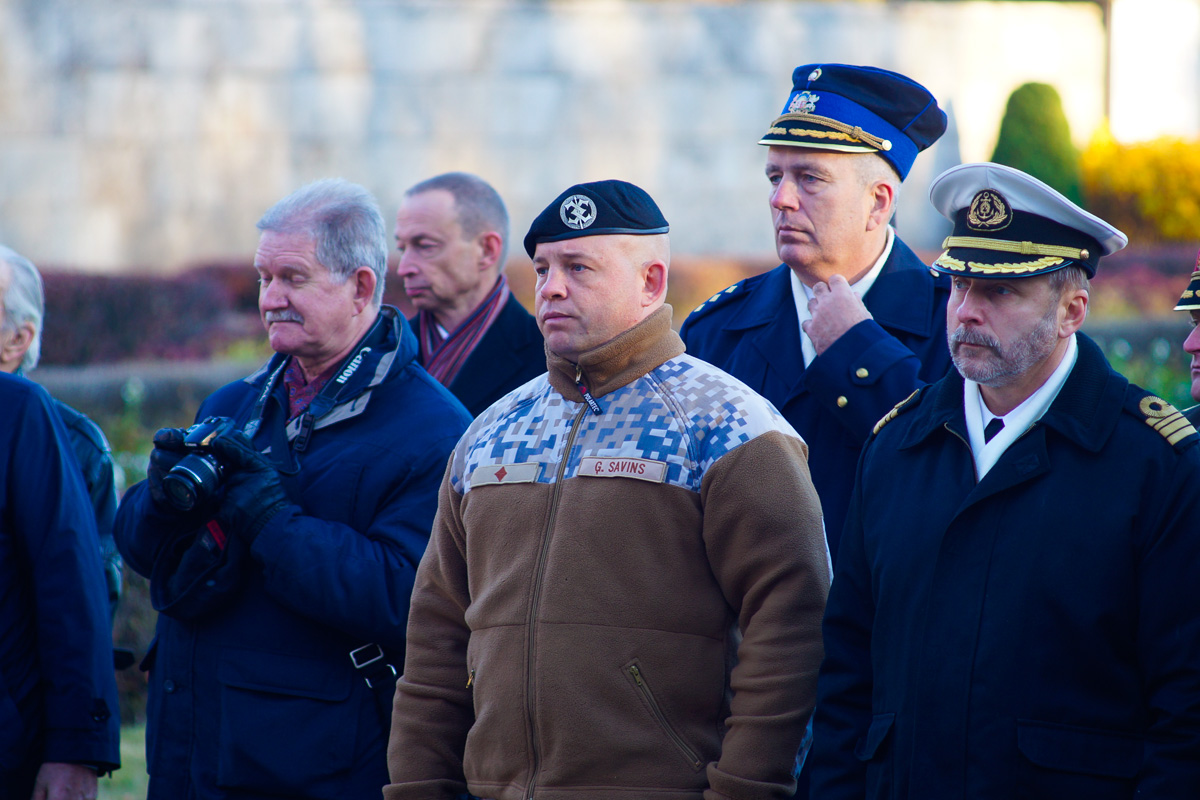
<point x="634" y="673"/>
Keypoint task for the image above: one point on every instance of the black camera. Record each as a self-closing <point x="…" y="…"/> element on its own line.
<point x="196" y="477"/>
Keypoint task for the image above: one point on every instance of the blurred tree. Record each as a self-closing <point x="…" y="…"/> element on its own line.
<point x="1035" y="138"/>
<point x="1150" y="190"/>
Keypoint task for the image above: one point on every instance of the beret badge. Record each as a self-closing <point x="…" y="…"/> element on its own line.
<point x="577" y="211"/>
<point x="989" y="212"/>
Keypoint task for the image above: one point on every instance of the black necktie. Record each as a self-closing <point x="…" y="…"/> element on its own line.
<point x="993" y="427"/>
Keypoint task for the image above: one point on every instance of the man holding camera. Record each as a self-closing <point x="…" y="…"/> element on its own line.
<point x="281" y="534"/>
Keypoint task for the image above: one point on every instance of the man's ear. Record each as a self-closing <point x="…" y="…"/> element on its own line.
<point x="490" y="248"/>
<point x="14" y="345"/>
<point x="883" y="204"/>
<point x="1074" y="306"/>
<point x="654" y="283"/>
<point x="364" y="288"/>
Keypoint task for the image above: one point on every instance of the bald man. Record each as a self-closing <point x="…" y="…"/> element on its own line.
<point x="611" y="540"/>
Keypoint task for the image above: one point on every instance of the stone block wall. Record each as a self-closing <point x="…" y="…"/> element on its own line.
<point x="149" y="135"/>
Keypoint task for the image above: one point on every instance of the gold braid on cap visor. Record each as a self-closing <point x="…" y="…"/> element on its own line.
<point x="851" y="133"/>
<point x="1052" y="255"/>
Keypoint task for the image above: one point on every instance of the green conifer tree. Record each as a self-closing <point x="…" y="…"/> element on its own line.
<point x="1035" y="138"/>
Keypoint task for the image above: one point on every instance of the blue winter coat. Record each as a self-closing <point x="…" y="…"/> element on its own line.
<point x="58" y="697"/>
<point x="252" y="690"/>
<point x="751" y="331"/>
<point x="1035" y="635"/>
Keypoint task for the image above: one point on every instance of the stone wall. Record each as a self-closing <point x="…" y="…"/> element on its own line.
<point x="151" y="134"/>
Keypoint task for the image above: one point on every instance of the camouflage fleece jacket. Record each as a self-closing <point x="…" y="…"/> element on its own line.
<point x="617" y="601"/>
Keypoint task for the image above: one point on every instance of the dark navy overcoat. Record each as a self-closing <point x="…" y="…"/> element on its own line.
<point x="1032" y="635"/>
<point x="58" y="696"/>
<point x="751" y="331"/>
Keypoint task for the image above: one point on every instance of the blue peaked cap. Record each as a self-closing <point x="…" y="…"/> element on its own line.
<point x="858" y="110"/>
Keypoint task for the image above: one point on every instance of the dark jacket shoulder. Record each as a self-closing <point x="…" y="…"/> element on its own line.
<point x="1176" y="428"/>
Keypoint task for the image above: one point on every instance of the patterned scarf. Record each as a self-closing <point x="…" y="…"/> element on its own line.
<point x="444" y="357"/>
<point x="300" y="392"/>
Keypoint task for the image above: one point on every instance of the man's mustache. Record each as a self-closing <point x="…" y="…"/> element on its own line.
<point x="287" y="315"/>
<point x="964" y="335"/>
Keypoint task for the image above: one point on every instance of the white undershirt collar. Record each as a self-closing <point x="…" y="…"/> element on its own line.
<point x="1017" y="421"/>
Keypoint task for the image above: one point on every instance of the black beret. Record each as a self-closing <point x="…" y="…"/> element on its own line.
<point x="596" y="209"/>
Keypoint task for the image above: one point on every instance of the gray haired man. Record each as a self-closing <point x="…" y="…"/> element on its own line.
<point x="282" y="566"/>
<point x="22" y="308"/>
<point x="476" y="338"/>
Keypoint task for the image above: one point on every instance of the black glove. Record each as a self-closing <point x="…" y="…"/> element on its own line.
<point x="253" y="492"/>
<point x="167" y="452"/>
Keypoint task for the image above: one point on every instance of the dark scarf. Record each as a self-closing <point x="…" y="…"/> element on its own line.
<point x="444" y="357"/>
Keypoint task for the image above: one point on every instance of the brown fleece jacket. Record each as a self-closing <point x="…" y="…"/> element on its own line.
<point x="616" y="605"/>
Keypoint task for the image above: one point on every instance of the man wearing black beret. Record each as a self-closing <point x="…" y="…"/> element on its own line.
<point x="851" y="322"/>
<point x="623" y="589"/>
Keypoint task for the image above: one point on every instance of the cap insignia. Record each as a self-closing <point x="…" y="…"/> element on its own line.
<point x="803" y="103"/>
<point x="816" y="73"/>
<point x="989" y="212"/>
<point x="578" y="211"/>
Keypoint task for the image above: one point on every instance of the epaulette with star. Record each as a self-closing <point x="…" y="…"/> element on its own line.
<point x="720" y="298"/>
<point x="896" y="411"/>
<point x="1163" y="417"/>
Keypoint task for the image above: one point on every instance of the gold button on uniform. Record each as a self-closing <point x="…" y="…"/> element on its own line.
<point x="843" y="402"/>
<point x="862" y="372"/>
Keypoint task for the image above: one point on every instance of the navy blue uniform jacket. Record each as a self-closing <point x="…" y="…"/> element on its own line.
<point x="1035" y="635"/>
<point x="252" y="691"/>
<point x="58" y="697"/>
<point x="510" y="354"/>
<point x="751" y="331"/>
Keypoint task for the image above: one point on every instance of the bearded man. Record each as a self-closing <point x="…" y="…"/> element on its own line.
<point x="1028" y="627"/>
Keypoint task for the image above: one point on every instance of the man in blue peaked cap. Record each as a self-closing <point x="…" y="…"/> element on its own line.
<point x="851" y="321"/>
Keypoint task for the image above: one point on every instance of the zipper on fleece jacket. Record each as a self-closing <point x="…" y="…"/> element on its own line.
<point x="583" y="390"/>
<point x="644" y="688"/>
<point x="537" y="588"/>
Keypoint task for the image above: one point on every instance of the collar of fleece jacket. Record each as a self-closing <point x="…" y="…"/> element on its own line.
<point x="618" y="361"/>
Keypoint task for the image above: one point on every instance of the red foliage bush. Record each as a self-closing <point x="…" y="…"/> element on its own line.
<point x="105" y="318"/>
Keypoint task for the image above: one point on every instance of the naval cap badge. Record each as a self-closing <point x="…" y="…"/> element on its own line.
<point x="989" y="211"/>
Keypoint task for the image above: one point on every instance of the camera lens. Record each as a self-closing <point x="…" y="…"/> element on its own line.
<point x="191" y="481"/>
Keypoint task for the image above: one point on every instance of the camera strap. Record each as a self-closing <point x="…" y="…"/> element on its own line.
<point x="325" y="400"/>
<point x="255" y="422"/>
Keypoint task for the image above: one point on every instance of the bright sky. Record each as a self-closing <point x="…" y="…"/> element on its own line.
<point x="1155" y="88"/>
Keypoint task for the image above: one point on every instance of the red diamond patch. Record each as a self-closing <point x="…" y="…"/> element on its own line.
<point x="500" y="473"/>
